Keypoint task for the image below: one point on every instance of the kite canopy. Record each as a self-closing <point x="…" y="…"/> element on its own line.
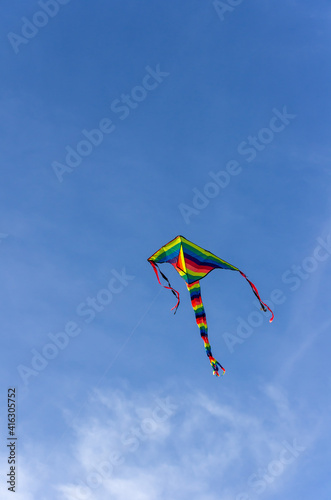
<point x="194" y="263"/>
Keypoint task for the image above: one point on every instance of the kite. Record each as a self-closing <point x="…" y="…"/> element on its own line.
<point x="194" y="263"/>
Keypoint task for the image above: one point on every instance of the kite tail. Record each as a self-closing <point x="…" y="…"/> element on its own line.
<point x="264" y="306"/>
<point x="176" y="294"/>
<point x="200" y="316"/>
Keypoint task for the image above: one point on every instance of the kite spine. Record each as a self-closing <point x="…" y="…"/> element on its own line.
<point x="200" y="316"/>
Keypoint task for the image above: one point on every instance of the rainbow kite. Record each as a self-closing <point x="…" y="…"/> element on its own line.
<point x="194" y="263"/>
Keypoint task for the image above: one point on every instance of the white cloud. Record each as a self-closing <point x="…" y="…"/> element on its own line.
<point x="181" y="444"/>
<point x="202" y="445"/>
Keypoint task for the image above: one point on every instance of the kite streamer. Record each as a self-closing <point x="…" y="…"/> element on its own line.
<point x="200" y="317"/>
<point x="194" y="263"/>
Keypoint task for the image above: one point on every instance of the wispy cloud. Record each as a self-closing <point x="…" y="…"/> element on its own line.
<point x="199" y="444"/>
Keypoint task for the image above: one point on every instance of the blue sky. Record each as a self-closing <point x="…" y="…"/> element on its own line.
<point x="125" y="405"/>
